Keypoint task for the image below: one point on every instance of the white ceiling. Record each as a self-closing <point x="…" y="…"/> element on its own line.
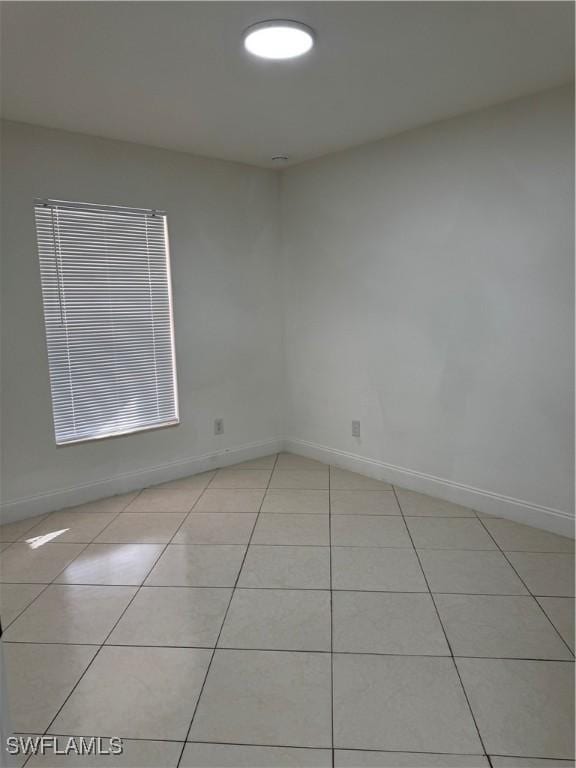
<point x="173" y="74"/>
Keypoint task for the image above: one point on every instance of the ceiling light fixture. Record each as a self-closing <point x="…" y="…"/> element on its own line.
<point x="278" y="39"/>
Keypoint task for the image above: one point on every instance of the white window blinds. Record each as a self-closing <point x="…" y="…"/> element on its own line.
<point x="108" y="312"/>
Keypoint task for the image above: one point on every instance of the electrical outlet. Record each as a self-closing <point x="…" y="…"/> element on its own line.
<point x="355" y="429"/>
<point x="218" y="426"/>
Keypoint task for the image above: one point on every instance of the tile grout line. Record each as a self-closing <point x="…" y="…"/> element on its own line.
<point x="9" y="624"/>
<point x="312" y="748"/>
<point x="444" y="631"/>
<point x="215" y="647"/>
<point x="52" y="582"/>
<point x="284" y="746"/>
<point x="543" y="597"/>
<point x="298" y="650"/>
<point x="282" y="589"/>
<point x="140" y="586"/>
<point x="533" y="596"/>
<point x="295" y="746"/>
<point x="277" y="589"/>
<point x="233" y="591"/>
<point x="103" y="644"/>
<point x="310" y="515"/>
<point x="305" y="515"/>
<point x="331" y="614"/>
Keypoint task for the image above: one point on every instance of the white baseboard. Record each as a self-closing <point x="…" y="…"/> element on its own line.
<point x="554" y="520"/>
<point x="490" y="503"/>
<point x="19" y="509"/>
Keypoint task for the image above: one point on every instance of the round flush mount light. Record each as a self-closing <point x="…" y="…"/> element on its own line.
<point x="278" y="39"/>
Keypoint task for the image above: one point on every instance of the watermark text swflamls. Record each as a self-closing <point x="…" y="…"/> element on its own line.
<point x="59" y="745"/>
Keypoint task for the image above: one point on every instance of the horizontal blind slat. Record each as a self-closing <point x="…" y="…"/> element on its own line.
<point x="108" y="314"/>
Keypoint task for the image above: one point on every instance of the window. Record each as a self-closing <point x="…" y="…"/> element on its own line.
<point x="108" y="312"/>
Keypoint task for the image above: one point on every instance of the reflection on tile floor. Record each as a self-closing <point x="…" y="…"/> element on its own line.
<point x="283" y="613"/>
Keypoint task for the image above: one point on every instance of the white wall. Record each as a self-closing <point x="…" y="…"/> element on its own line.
<point x="428" y="293"/>
<point x="223" y="224"/>
<point x="427" y="283"/>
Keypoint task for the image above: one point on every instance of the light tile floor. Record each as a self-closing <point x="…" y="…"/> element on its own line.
<point x="284" y="613"/>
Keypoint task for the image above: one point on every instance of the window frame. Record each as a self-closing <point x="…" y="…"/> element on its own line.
<point x="44" y="203"/>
